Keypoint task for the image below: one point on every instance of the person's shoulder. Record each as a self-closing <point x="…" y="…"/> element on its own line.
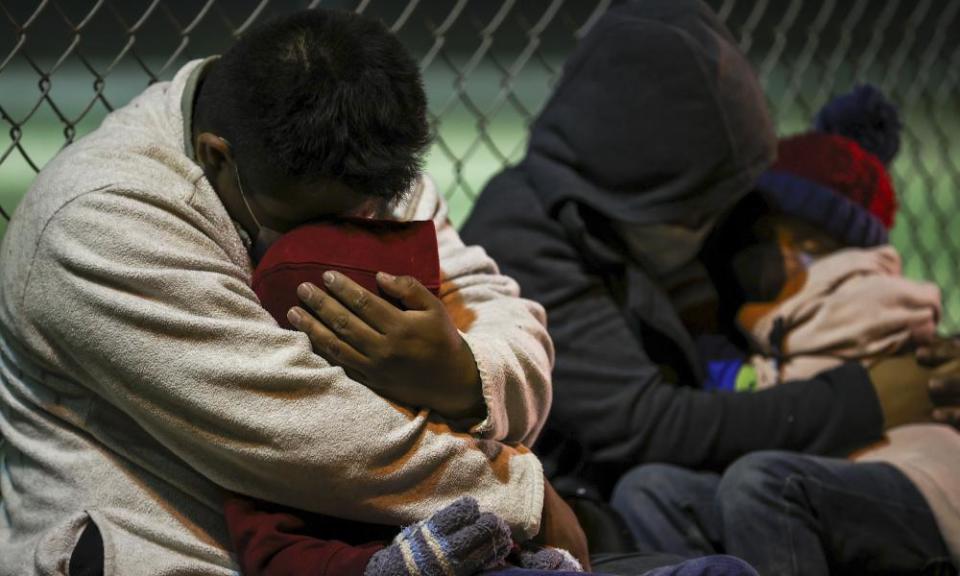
<point x="132" y="152"/>
<point x="508" y="191"/>
<point x="507" y="203"/>
<point x="86" y="171"/>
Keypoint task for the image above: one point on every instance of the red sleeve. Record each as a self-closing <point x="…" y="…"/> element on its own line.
<point x="275" y="541"/>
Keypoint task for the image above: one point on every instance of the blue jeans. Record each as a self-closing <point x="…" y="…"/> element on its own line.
<point x="787" y="514"/>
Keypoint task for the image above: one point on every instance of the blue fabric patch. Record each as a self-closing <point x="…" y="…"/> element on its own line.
<point x="722" y="375"/>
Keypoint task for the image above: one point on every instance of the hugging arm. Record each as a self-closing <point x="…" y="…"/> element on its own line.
<point x="185" y="350"/>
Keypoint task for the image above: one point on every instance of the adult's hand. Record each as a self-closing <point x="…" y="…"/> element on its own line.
<point x="945" y="393"/>
<point x="943" y="358"/>
<point x="560" y="528"/>
<point x="939" y="352"/>
<point x="414" y="356"/>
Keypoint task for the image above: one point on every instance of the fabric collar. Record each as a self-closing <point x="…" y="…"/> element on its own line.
<point x="187" y="100"/>
<point x="186" y="109"/>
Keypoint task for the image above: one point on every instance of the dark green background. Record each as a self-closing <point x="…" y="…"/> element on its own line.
<point x="491" y="68"/>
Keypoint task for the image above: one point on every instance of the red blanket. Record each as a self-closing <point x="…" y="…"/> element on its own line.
<point x="271" y="539"/>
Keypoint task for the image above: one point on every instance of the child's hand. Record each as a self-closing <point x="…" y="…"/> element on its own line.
<point x="547" y="559"/>
<point x="559" y="527"/>
<point x="457" y="540"/>
<point x="414" y="356"/>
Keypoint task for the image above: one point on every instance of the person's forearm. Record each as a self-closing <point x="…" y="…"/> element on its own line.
<point x="654" y="421"/>
<point x="515" y="384"/>
<point x="507" y="335"/>
<point x="370" y="465"/>
<point x="831" y="413"/>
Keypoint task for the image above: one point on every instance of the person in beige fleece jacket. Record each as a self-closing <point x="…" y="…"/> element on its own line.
<point x="140" y="379"/>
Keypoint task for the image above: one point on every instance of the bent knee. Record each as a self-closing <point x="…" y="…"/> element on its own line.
<point x="758" y="475"/>
<point x="648" y="478"/>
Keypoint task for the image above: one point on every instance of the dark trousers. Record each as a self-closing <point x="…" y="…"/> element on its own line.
<point x="636" y="565"/>
<point x="87" y="560"/>
<point x="657" y="565"/>
<point x="787" y="514"/>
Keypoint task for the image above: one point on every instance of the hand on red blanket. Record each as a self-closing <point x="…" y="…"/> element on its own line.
<point x="414" y="356"/>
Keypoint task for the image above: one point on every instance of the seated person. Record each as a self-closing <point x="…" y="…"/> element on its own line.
<point x="141" y="382"/>
<point x="140" y="379"/>
<point x="656" y="131"/>
<point x="821" y="287"/>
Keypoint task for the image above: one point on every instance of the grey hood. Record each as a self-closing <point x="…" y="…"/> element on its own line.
<point x="658" y="119"/>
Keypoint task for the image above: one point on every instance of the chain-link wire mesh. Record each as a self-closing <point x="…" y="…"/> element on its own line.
<point x="488" y="68"/>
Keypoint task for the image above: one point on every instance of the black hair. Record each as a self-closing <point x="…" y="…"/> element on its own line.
<point x="321" y="94"/>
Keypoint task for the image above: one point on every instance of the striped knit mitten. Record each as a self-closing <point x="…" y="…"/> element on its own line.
<point x="456" y="541"/>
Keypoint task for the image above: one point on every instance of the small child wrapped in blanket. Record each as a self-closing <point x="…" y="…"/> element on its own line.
<point x="823" y="287"/>
<point x="272" y="539"/>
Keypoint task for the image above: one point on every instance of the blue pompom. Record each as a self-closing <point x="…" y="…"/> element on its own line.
<point x="866" y="116"/>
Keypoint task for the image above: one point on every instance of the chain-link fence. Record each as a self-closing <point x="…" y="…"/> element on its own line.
<point x="488" y="68"/>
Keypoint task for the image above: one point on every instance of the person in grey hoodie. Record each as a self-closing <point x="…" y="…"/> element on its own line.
<point x="655" y="134"/>
<point x="140" y="379"/>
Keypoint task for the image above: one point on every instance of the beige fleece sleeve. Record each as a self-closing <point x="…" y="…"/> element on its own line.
<point x="507" y="334"/>
<point x="148" y="311"/>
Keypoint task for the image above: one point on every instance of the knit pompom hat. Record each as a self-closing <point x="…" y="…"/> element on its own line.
<point x="835" y="176"/>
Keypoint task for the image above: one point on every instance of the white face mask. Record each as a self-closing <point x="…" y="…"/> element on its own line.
<point x="663" y="249"/>
<point x="264" y="236"/>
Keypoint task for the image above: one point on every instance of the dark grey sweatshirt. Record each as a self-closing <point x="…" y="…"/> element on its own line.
<point x="658" y="119"/>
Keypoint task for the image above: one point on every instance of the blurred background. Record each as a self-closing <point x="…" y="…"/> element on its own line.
<point x="489" y="66"/>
